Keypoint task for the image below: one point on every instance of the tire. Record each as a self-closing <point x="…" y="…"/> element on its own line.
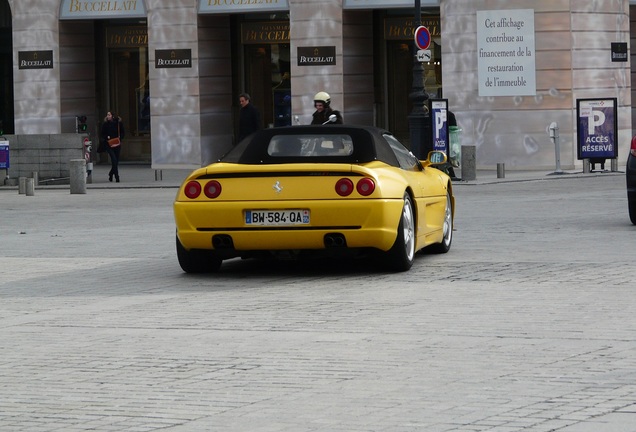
<point x="402" y="254"/>
<point x="631" y="204"/>
<point x="197" y="261"/>
<point x="447" y="238"/>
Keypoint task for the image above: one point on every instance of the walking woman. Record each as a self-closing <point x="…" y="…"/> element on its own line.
<point x="112" y="129"/>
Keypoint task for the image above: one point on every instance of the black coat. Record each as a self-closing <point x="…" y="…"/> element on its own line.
<point x="249" y="121"/>
<point x="321" y="117"/>
<point x="110" y="129"/>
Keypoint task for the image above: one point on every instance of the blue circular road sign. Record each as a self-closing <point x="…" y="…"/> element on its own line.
<point x="422" y="37"/>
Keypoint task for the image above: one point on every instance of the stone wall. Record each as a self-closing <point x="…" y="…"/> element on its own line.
<point x="47" y="154"/>
<point x="572" y="43"/>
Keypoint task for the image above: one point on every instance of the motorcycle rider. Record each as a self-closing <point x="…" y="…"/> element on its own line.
<point x="322" y="102"/>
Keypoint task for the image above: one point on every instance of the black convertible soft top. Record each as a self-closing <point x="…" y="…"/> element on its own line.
<point x="368" y="144"/>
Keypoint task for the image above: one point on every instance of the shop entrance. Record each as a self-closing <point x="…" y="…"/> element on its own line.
<point x="267" y="78"/>
<point x="400" y="83"/>
<point x="126" y="88"/>
<point x="399" y="56"/>
<point x="264" y="71"/>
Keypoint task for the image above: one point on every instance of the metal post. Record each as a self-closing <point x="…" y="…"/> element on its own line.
<point x="418" y="119"/>
<point x="554" y="136"/>
<point x="501" y="170"/>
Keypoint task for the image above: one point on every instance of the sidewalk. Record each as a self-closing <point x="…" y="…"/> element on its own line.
<point x="144" y="176"/>
<point x="137" y="176"/>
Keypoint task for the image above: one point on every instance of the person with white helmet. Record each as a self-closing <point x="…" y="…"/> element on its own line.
<point x="322" y="102"/>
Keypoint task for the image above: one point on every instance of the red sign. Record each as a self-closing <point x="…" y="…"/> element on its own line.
<point x="422" y="37"/>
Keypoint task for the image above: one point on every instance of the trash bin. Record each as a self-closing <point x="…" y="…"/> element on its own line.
<point x="455" y="146"/>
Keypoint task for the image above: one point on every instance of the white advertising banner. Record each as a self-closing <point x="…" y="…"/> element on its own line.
<point x="506" y="52"/>
<point x="96" y="9"/>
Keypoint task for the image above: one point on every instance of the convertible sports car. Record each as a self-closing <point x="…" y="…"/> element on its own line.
<point x="313" y="190"/>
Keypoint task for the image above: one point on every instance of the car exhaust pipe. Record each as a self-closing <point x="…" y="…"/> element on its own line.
<point x="335" y="240"/>
<point x="222" y="241"/>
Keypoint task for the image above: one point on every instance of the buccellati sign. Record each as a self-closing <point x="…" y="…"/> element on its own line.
<point x="102" y="9"/>
<point x="35" y="59"/>
<point x="317" y="56"/>
<point x="175" y="58"/>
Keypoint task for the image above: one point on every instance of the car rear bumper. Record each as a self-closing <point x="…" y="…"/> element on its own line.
<point x="362" y="224"/>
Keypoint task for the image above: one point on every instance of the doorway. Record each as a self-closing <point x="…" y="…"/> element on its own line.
<point x="267" y="80"/>
<point x="400" y="83"/>
<point x="126" y="89"/>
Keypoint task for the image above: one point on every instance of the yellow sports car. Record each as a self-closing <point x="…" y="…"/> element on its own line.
<point x="313" y="190"/>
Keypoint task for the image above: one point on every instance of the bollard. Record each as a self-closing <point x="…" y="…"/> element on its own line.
<point x="501" y="170"/>
<point x="30" y="187"/>
<point x="36" y="178"/>
<point x="21" y="185"/>
<point x="469" y="165"/>
<point x="158" y="175"/>
<point x="554" y="136"/>
<point x="78" y="176"/>
<point x="586" y="166"/>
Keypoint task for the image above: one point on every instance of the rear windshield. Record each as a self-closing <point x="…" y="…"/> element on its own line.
<point x="313" y="144"/>
<point x="310" y="146"/>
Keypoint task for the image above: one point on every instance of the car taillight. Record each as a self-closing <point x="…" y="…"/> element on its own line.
<point x="632" y="150"/>
<point x="192" y="189"/>
<point x="344" y="187"/>
<point x="212" y="189"/>
<point x="365" y="187"/>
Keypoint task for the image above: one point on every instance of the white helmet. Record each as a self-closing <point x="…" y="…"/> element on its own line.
<point x="322" y="97"/>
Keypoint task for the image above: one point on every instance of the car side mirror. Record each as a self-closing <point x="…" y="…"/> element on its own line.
<point x="436" y="157"/>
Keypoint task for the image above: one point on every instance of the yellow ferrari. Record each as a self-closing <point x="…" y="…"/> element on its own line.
<point x="313" y="190"/>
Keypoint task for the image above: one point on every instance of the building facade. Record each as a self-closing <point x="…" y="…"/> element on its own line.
<point x="173" y="70"/>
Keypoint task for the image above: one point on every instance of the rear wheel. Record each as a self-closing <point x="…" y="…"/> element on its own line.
<point x="197" y="261"/>
<point x="401" y="255"/>
<point x="447" y="228"/>
<point x="631" y="203"/>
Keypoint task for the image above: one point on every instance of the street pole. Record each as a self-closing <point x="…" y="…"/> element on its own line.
<point x="418" y="119"/>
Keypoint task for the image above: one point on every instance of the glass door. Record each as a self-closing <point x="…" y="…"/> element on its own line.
<point x="122" y="82"/>
<point x="267" y="76"/>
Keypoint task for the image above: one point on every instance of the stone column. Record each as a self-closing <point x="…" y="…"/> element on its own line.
<point x="36" y="91"/>
<point x="174" y="101"/>
<point x="315" y="23"/>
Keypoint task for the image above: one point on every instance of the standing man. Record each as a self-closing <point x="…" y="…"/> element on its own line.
<point x="322" y="102"/>
<point x="249" y="118"/>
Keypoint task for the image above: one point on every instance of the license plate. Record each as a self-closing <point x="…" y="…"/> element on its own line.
<point x="276" y="217"/>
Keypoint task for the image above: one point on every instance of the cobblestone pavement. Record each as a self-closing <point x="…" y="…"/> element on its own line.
<point x="527" y="324"/>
